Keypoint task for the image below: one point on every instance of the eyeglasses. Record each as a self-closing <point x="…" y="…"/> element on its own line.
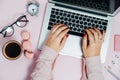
<point x="9" y="30"/>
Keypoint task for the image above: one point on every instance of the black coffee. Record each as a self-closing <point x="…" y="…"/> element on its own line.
<point x="12" y="50"/>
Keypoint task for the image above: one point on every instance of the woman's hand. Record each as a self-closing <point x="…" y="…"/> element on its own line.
<point x="92" y="42"/>
<point x="57" y="37"/>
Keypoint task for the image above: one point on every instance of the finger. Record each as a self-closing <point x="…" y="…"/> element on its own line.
<point x="59" y="30"/>
<point x="90" y="36"/>
<point x="99" y="33"/>
<point x="63" y="33"/>
<point x="63" y="41"/>
<point x="55" y="27"/>
<point x="103" y="33"/>
<point x="95" y="34"/>
<point x="84" y="43"/>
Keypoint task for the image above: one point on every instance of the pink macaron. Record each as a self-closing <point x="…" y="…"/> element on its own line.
<point x="29" y="54"/>
<point x="25" y="35"/>
<point x="26" y="45"/>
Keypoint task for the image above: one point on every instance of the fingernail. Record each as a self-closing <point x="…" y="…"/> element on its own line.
<point x="86" y="29"/>
<point x="68" y="27"/>
<point x="84" y="35"/>
<point x="67" y="35"/>
<point x="105" y="31"/>
<point x="56" y="24"/>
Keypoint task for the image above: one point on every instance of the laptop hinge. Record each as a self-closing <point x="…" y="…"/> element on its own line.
<point x="77" y="8"/>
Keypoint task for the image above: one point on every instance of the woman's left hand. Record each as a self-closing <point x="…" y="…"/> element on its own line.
<point x="57" y="37"/>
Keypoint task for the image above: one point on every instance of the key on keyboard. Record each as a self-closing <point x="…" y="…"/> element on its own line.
<point x="76" y="22"/>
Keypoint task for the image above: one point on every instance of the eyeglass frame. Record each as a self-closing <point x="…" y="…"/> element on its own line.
<point x="18" y="20"/>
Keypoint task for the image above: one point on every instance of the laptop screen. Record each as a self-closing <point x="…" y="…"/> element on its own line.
<point x="109" y="6"/>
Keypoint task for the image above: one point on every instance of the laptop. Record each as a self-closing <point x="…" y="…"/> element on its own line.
<point x="79" y="15"/>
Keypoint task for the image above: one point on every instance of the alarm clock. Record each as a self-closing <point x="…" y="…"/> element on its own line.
<point x="33" y="8"/>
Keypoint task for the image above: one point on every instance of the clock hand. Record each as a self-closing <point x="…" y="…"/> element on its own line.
<point x="33" y="10"/>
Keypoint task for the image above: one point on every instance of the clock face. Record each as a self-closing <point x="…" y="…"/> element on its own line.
<point x="33" y="9"/>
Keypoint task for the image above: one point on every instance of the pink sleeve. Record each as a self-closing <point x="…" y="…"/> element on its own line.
<point x="43" y="69"/>
<point x="94" y="68"/>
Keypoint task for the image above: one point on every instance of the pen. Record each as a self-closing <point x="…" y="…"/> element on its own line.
<point x="112" y="74"/>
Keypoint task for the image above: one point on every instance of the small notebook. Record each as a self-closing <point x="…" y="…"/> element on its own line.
<point x="117" y="43"/>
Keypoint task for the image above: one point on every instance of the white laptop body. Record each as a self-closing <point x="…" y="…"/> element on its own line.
<point x="73" y="44"/>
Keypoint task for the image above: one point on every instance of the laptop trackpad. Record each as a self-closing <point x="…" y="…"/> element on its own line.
<point x="72" y="47"/>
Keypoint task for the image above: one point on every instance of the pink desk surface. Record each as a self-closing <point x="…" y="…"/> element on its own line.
<point x="66" y="68"/>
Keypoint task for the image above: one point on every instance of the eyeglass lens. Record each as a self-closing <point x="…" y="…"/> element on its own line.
<point x="8" y="31"/>
<point x="22" y="21"/>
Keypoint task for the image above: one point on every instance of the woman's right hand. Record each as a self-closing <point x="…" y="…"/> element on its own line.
<point x="92" y="42"/>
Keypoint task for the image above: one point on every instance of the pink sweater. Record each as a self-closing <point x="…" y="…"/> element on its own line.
<point x="43" y="69"/>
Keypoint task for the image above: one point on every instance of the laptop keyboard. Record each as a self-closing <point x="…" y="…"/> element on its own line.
<point x="76" y="22"/>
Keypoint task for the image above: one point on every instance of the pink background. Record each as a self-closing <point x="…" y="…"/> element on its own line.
<point x="66" y="68"/>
